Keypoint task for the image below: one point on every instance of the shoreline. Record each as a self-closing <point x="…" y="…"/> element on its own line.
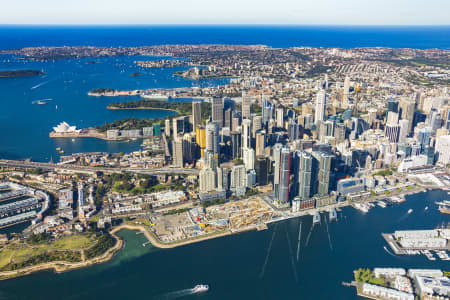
<point x="62" y="266"/>
<point x="140" y="108"/>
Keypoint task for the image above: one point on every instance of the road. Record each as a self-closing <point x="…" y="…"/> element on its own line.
<point x="84" y="169"/>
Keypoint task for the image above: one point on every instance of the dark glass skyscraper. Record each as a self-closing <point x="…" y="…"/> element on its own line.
<point x="302" y="174"/>
<point x="285" y="173"/>
<point x="236" y="144"/>
<point x="261" y="168"/>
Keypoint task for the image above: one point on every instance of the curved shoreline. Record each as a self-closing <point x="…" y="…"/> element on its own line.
<point x="63" y="266"/>
<point x="140" y="108"/>
<point x="155" y="242"/>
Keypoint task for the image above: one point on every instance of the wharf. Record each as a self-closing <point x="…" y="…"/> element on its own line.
<point x="84" y="133"/>
<point x="261" y="227"/>
<point x="399" y="250"/>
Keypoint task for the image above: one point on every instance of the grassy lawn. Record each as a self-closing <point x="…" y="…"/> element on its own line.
<point x="5" y="256"/>
<point x="27" y="252"/>
<point x="72" y="242"/>
<point x="141" y="221"/>
<point x="366" y="275"/>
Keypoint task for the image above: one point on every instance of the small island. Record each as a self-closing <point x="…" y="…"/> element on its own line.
<point x="20" y="73"/>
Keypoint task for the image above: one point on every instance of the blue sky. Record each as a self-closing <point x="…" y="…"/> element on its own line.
<point x="309" y="12"/>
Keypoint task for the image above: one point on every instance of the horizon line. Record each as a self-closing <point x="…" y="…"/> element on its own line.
<point x="222" y="24"/>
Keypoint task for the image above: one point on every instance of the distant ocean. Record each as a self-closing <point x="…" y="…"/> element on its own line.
<point x="17" y="36"/>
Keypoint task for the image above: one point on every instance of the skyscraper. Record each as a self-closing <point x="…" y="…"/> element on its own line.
<point x="320" y="107"/>
<point x="236" y="144"/>
<point x="261" y="168"/>
<point x="246" y="133"/>
<point x="207" y="180"/>
<point x="212" y="138"/>
<point x="167" y="127"/>
<point x="256" y="124"/>
<point x="324" y="170"/>
<point x="392" y="105"/>
<point x="217" y="111"/>
<point x="238" y="177"/>
<point x="228" y="117"/>
<point x="392" y="129"/>
<point x="392" y="132"/>
<point x="249" y="158"/>
<point x="266" y="111"/>
<point x="177" y="146"/>
<point x="260" y="143"/>
<point x="280" y="117"/>
<point x="403" y="130"/>
<point x="196" y="114"/>
<point x="246" y="104"/>
<point x="276" y="157"/>
<point x="285" y="167"/>
<point x="293" y="130"/>
<point x="424" y="137"/>
<point x="302" y="174"/>
<point x="346" y="90"/>
<point x="407" y="108"/>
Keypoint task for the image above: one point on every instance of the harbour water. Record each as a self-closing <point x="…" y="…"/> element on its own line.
<point x="24" y="125"/>
<point x="251" y="265"/>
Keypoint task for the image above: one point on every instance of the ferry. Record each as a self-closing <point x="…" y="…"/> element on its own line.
<point x="200" y="288"/>
<point x="316" y="218"/>
<point x="333" y="214"/>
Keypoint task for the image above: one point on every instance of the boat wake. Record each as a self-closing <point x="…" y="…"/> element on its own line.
<point x="177" y="294"/>
<point x="389" y="252"/>
<point x="402" y="218"/>
<point x="299" y="239"/>
<point x="39" y="85"/>
<point x="292" y="257"/>
<point x="309" y="236"/>
<point x="328" y="232"/>
<point x="263" y="270"/>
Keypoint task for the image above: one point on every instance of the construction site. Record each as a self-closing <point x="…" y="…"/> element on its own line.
<point x="230" y="217"/>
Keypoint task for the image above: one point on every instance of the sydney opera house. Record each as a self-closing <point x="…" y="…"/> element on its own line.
<point x="63" y="127"/>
